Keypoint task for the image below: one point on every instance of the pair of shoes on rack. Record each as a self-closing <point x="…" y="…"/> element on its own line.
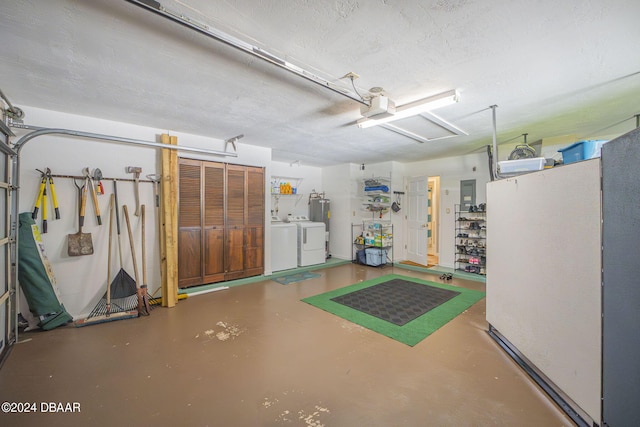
<point x="480" y="208"/>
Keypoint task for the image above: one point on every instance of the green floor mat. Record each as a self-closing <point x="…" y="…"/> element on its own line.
<point x="410" y="333"/>
<point x="296" y="277"/>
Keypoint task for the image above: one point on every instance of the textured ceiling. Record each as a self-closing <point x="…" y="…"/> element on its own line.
<point x="553" y="68"/>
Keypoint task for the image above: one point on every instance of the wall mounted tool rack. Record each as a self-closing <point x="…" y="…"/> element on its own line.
<point x="103" y="178"/>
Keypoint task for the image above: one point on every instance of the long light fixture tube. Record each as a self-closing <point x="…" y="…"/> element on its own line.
<point x="414" y="108"/>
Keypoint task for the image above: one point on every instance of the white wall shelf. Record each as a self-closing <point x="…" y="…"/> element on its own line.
<point x="280" y="185"/>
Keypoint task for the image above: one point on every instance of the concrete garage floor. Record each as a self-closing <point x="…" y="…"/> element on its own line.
<point x="255" y="355"/>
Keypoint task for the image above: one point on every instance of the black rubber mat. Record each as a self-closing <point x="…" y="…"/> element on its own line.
<point x="397" y="301"/>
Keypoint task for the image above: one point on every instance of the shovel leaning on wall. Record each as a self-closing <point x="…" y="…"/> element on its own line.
<point x="80" y="243"/>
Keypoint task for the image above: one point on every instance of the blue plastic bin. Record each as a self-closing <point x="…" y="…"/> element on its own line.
<point x="581" y="150"/>
<point x="361" y="256"/>
<point x="376" y="257"/>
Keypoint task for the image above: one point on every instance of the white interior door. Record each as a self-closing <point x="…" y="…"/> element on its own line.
<point x="417" y="219"/>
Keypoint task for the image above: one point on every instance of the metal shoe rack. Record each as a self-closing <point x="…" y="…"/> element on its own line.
<point x="471" y="238"/>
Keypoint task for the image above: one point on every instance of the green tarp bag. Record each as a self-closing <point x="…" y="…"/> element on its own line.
<point x="36" y="277"/>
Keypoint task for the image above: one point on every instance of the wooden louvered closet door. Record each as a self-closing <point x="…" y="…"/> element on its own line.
<point x="220" y="223"/>
<point x="254" y="253"/>
<point x="189" y="223"/>
<point x="213" y="225"/>
<point x="235" y="221"/>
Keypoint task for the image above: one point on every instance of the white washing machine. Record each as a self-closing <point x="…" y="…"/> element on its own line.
<point x="311" y="240"/>
<point x="284" y="245"/>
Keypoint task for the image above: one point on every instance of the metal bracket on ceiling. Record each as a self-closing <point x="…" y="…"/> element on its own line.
<point x="232" y="141"/>
<point x="494" y="154"/>
<point x="157" y="8"/>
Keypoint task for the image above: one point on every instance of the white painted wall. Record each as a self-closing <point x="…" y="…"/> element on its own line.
<point x="308" y="179"/>
<point x="398" y="218"/>
<point x="395" y="171"/>
<point x="339" y="185"/>
<point x="343" y="184"/>
<point x="82" y="280"/>
<point x="451" y="171"/>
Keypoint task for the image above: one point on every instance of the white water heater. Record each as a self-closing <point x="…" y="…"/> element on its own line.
<point x="320" y="211"/>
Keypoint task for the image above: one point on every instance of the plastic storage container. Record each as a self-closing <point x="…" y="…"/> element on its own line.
<point x="582" y="150"/>
<point x="522" y="165"/>
<point x="376" y="257"/>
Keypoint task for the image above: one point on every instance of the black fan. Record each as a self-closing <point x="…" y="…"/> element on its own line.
<point x="523" y="151"/>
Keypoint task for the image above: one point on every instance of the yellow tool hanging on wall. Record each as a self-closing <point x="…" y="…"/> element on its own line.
<point x="41" y="200"/>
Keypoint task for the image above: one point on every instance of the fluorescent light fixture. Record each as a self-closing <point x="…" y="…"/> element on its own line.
<point x="414" y="108"/>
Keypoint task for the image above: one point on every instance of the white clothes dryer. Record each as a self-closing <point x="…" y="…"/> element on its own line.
<point x="311" y="240"/>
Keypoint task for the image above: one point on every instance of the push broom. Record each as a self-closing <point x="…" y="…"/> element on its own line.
<point x="106" y="310"/>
